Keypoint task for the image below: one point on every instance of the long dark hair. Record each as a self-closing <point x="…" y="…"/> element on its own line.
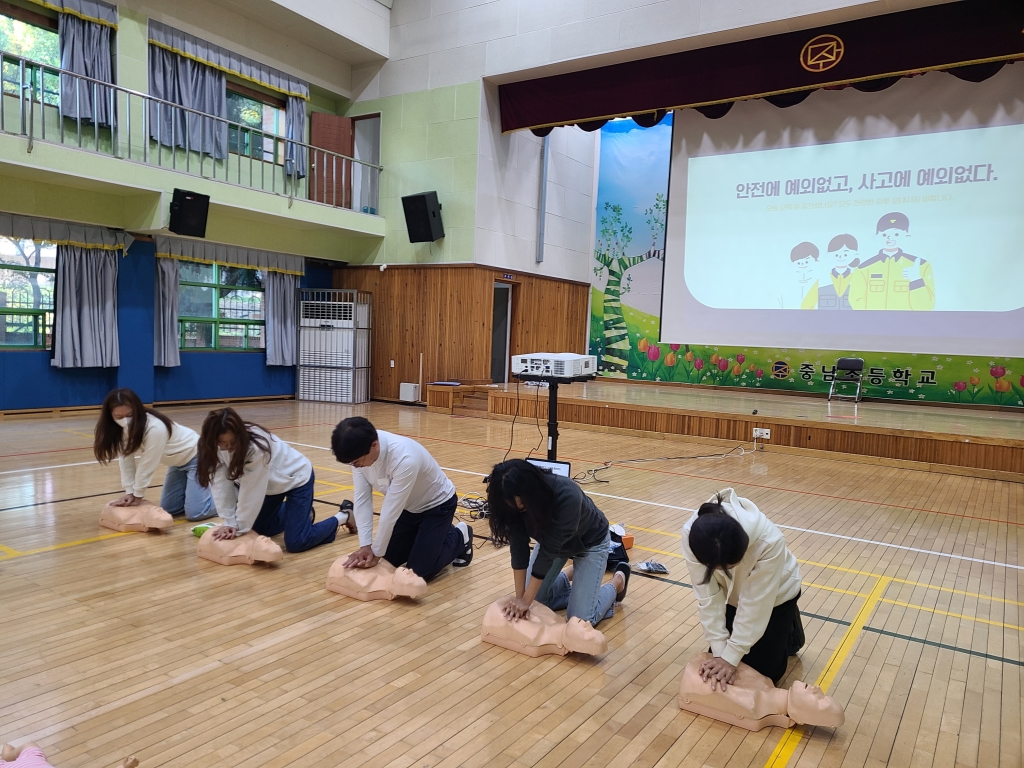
<point x="716" y="539"/>
<point x="216" y="424"/>
<point x="109" y="439"/>
<point x="529" y="483"/>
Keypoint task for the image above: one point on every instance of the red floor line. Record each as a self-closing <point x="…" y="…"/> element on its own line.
<point x="55" y="450"/>
<point x="746" y="484"/>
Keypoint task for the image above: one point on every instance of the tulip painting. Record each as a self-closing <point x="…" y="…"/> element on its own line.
<point x="960" y="386"/>
<point x="752" y="368"/>
<point x="723" y="364"/>
<point x="714" y="359"/>
<point x="653" y="352"/>
<point x="698" y="363"/>
<point x="997" y="371"/>
<point x="975" y="381"/>
<point x="674" y="347"/>
<point x="740" y="359"/>
<point x="688" y="357"/>
<point x="737" y="370"/>
<point x="643" y="345"/>
<point x="759" y="373"/>
<point x="670" y="360"/>
<point x="1002" y="385"/>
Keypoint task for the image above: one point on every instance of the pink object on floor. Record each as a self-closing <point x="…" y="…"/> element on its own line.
<point x="247" y="549"/>
<point x="382" y="582"/>
<point x="144" y="516"/>
<point x="32" y="757"/>
<point x="543" y="633"/>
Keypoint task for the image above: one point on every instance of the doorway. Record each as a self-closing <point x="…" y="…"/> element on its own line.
<point x="501" y="328"/>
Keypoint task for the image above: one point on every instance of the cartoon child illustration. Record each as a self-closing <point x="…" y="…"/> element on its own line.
<point x="842" y="252"/>
<point x="805" y="266"/>
<point x="892" y="278"/>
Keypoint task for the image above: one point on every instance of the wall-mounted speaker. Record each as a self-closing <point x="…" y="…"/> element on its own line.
<point x="188" y="213"/>
<point x="423" y="217"/>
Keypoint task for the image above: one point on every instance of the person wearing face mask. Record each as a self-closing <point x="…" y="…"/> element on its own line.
<point x="141" y="439"/>
<point x="261" y="484"/>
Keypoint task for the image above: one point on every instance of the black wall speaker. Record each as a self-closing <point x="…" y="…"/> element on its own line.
<point x="423" y="217"/>
<point x="188" y="213"/>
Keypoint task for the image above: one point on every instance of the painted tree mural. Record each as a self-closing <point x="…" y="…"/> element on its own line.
<point x="615" y="237"/>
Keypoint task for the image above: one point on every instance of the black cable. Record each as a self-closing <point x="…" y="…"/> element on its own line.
<point x="536" y="414"/>
<point x="512" y="437"/>
<point x="590" y="475"/>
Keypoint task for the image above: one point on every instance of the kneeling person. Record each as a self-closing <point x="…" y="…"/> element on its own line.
<point x="747" y="583"/>
<point x="415" y="527"/>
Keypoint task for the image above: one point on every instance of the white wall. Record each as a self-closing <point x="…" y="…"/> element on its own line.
<point x="445" y="42"/>
<point x="508" y="194"/>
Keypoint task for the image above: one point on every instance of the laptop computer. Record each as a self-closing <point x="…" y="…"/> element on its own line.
<point x="555" y="467"/>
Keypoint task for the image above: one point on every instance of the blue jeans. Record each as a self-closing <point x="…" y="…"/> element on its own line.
<point x="183" y="493"/>
<point x="292" y="512"/>
<point x="585" y="597"/>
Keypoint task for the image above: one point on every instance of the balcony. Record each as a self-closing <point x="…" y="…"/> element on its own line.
<point x="53" y="111"/>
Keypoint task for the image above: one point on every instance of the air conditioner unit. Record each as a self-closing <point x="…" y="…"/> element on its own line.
<point x="555" y="365"/>
<point x="327" y="314"/>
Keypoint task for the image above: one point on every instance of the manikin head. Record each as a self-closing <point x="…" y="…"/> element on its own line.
<point x="842" y="252"/>
<point x="892" y="229"/>
<point x="805" y="261"/>
<point x="354" y="442"/>
<point x="809" y="705"/>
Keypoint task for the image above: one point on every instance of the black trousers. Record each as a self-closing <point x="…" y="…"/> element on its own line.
<point x="782" y="638"/>
<point x="426" y="542"/>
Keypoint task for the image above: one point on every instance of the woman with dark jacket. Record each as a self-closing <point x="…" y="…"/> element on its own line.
<point x="527" y="502"/>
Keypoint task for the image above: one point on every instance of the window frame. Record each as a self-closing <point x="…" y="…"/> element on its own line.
<point x="34" y="78"/>
<point x="43" y="319"/>
<point x="278" y="139"/>
<point x="216" y="321"/>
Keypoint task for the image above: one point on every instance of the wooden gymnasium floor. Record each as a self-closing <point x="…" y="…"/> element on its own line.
<point x="116" y="644"/>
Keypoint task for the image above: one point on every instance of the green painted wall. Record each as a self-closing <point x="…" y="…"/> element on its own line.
<point x="428" y="142"/>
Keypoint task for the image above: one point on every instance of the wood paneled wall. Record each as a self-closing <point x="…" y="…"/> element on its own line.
<point x="445" y="312"/>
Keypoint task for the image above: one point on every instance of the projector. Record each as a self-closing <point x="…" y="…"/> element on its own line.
<point x="556" y="365"/>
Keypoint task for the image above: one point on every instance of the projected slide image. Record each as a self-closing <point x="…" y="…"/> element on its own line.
<point x="910" y="223"/>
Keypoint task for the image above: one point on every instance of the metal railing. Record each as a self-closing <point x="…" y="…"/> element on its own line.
<point x="52" y="105"/>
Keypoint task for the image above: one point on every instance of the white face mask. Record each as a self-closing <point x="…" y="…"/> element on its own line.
<point x="124" y="423"/>
<point x="224" y="456"/>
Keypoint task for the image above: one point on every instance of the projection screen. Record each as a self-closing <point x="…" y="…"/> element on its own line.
<point x="888" y="222"/>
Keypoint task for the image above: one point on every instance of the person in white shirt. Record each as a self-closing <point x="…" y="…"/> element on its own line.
<point x="260" y="483"/>
<point x="747" y="583"/>
<point x="141" y="439"/>
<point x="415" y="527"/>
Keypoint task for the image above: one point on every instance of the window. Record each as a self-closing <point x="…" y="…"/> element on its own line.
<point x="31" y="36"/>
<point x="220" y="307"/>
<point x="27" y="270"/>
<point x="265" y="115"/>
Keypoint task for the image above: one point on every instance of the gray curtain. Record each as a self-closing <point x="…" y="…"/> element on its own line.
<point x="85" y="308"/>
<point x="295" y="128"/>
<point x="85" y="50"/>
<point x="235" y="255"/>
<point x="165" y="305"/>
<point x="190" y="84"/>
<point x="281" y="307"/>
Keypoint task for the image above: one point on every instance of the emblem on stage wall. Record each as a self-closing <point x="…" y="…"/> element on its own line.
<point x="822" y="53"/>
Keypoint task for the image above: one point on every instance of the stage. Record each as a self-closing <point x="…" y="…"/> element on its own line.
<point x="980" y="442"/>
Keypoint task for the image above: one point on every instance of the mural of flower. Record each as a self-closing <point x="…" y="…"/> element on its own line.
<point x="975" y="381"/>
<point x="714" y="359"/>
<point x="759" y="373"/>
<point x="997" y="371"/>
<point x="674" y="347"/>
<point x="689" y="358"/>
<point x="740" y="359"/>
<point x="670" y="359"/>
<point x="1002" y="385"/>
<point x="698" y="363"/>
<point x="643" y="345"/>
<point x="723" y="364"/>
<point x="959" y="386"/>
<point x="1022" y="381"/>
<point x="737" y="369"/>
<point x="653" y="352"/>
<point x="752" y="368"/>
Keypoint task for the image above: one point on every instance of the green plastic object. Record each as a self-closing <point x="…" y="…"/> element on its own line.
<point x="199" y="530"/>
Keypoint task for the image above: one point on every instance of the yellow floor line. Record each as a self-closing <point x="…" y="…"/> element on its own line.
<point x="834" y="589"/>
<point x="8" y="552"/>
<point x="954" y="615"/>
<point x="787" y="745"/>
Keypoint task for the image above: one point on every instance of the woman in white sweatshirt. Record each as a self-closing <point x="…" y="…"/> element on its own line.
<point x="141" y="439"/>
<point x="747" y="583"/>
<point x="260" y="483"/>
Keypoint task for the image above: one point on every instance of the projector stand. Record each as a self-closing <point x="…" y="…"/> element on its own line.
<point x="552" y="383"/>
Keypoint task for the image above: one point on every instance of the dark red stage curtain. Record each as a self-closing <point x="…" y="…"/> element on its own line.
<point x="969" y="32"/>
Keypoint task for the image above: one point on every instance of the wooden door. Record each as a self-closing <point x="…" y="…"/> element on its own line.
<point x="330" y="177"/>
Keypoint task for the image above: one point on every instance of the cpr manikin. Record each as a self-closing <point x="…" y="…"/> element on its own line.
<point x="382" y="582"/>
<point x="543" y="633"/>
<point x="246" y="549"/>
<point x="752" y="702"/>
<point x="31" y="756"/>
<point x="144" y="516"/>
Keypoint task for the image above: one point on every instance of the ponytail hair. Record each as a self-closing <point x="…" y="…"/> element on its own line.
<point x="716" y="539"/>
